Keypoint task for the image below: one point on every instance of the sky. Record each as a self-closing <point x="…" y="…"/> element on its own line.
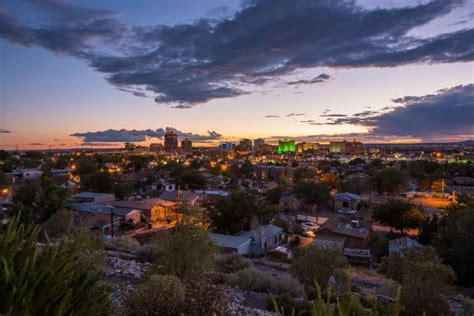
<point x="100" y="73"/>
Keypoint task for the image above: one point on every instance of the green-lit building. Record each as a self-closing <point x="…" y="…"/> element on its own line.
<point x="286" y="146"/>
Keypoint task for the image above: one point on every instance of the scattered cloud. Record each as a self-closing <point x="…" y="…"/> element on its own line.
<point x="4" y="131"/>
<point x="36" y="144"/>
<point x="447" y="112"/>
<point x="296" y="114"/>
<point x="333" y="115"/>
<point x="321" y="78"/>
<point x="224" y="57"/>
<point x="272" y="116"/>
<point x="124" y="135"/>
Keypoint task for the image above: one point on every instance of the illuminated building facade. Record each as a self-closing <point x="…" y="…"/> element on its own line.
<point x="171" y="141"/>
<point x="286" y="146"/>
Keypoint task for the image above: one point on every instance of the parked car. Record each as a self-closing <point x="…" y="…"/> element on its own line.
<point x="309" y="226"/>
<point x="347" y="211"/>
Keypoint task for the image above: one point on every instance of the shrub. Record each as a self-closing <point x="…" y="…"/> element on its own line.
<point x="123" y="243"/>
<point x="159" y="295"/>
<point x="251" y="279"/>
<point x="58" y="279"/>
<point x="149" y="252"/>
<point x="230" y="263"/>
<point x="295" y="241"/>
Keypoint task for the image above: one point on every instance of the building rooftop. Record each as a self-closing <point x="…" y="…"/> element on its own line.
<point x="346" y="196"/>
<point x="229" y="241"/>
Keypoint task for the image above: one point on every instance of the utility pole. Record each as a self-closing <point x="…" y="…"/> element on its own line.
<point x="112" y="222"/>
<point x="177" y="202"/>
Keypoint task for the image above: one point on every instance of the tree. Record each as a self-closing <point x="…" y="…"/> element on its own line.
<point x="42" y="198"/>
<point x="3" y="180"/>
<point x="187" y="253"/>
<point x="399" y="215"/>
<point x="318" y="265"/>
<point x="304" y="173"/>
<point x="85" y="165"/>
<point x="355" y="184"/>
<point x="426" y="283"/>
<point x="122" y="190"/>
<point x="59" y="224"/>
<point x="98" y="181"/>
<point x="192" y="178"/>
<point x="233" y="213"/>
<point x="159" y="295"/>
<point x="59" y="279"/>
<point x="388" y="180"/>
<point x="454" y="242"/>
<point x="312" y="192"/>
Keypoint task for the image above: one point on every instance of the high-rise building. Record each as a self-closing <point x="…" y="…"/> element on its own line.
<point x="258" y="142"/>
<point x="186" y="146"/>
<point x="171" y="141"/>
<point x="307" y="147"/>
<point x="245" y="144"/>
<point x="226" y="146"/>
<point x="156" y="147"/>
<point x="337" y="147"/>
<point x="286" y="146"/>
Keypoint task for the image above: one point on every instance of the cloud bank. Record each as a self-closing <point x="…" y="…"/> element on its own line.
<point x="187" y="64"/>
<point x="124" y="135"/>
<point x="448" y="112"/>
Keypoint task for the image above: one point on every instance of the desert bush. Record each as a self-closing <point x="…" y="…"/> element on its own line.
<point x="159" y="295"/>
<point x="148" y="252"/>
<point x="123" y="243"/>
<point x="230" y="263"/>
<point x="251" y="279"/>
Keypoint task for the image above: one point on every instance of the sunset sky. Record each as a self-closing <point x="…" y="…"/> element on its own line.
<point x="100" y="73"/>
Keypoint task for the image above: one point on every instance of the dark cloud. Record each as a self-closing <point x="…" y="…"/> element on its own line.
<point x="212" y="58"/>
<point x="318" y="79"/>
<point x="124" y="135"/>
<point x="272" y="116"/>
<point x="296" y="114"/>
<point x="447" y="112"/>
<point x="4" y="131"/>
<point x="36" y="144"/>
<point x="333" y="115"/>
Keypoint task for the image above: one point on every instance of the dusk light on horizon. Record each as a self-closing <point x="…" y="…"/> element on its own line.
<point x="101" y="73"/>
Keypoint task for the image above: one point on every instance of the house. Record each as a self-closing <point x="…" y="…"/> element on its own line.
<point x="322" y="241"/>
<point x="156" y="209"/>
<point x="291" y="202"/>
<point x="92" y="197"/>
<point x="27" y="173"/>
<point x="354" y="232"/>
<point x="402" y="245"/>
<point x="280" y="253"/>
<point x="209" y="195"/>
<point x="187" y="197"/>
<point x="99" y="217"/>
<point x="229" y="243"/>
<point x="264" y="238"/>
<point x="346" y="199"/>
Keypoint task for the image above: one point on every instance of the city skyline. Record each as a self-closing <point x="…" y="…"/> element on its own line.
<point x="81" y="73"/>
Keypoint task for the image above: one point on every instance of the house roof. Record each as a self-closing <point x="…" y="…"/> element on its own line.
<point x="269" y="231"/>
<point x="88" y="195"/>
<point x="144" y="205"/>
<point x="403" y="243"/>
<point x="100" y="209"/>
<point x="188" y="196"/>
<point x="229" y="241"/>
<point x="288" y="198"/>
<point x="342" y="226"/>
<point x="346" y="196"/>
